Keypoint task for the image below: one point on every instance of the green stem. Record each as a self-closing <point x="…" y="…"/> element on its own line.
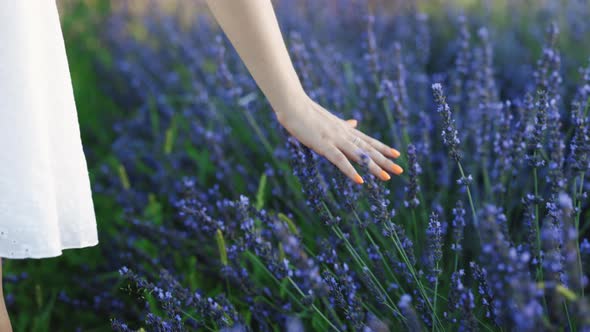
<point x="362" y="264"/>
<point x="397" y="244"/>
<point x="313" y="305"/>
<point x="360" y="261"/>
<point x="456" y="260"/>
<point x="391" y="122"/>
<point x="258" y="131"/>
<point x="435" y="296"/>
<point x="577" y="225"/>
<point x="537" y="226"/>
<point x="327" y="268"/>
<point x="486" y="178"/>
<point x="475" y="221"/>
<point x="255" y="259"/>
<point x="383" y="260"/>
<point x="569" y="321"/>
<point x="415" y="226"/>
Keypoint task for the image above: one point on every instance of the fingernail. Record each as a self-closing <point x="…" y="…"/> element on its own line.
<point x="352" y="122"/>
<point x="358" y="179"/>
<point x="384" y="175"/>
<point x="395" y="153"/>
<point x="397" y="170"/>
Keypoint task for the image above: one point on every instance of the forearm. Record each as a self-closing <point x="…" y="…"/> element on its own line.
<point x="253" y="30"/>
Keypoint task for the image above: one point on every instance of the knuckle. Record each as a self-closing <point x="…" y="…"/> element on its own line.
<point x="339" y="158"/>
<point x="324" y="151"/>
<point x="329" y="152"/>
<point x="324" y="135"/>
<point x="379" y="157"/>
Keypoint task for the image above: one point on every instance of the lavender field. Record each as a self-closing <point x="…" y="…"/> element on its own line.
<point x="213" y="218"/>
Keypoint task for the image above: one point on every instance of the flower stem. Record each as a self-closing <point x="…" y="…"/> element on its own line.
<point x="435" y="296"/>
<point x="475" y="221"/>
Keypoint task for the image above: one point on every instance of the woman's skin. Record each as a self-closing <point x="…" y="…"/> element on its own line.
<point x="253" y="30"/>
<point x="5" y="325"/>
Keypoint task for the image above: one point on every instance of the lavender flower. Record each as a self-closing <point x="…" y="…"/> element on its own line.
<point x="462" y="303"/>
<point x="378" y="203"/>
<point x="449" y="132"/>
<point x="434" y="254"/>
<point x="483" y="289"/>
<point x="583" y="91"/>
<point x="572" y="276"/>
<point x="301" y="62"/>
<point x="372" y="55"/>
<point x="578" y="158"/>
<point x="422" y="38"/>
<point x="411" y="319"/>
<point x="183" y="86"/>
<point x="305" y="168"/>
<point x="414" y="170"/>
<point x="458" y="226"/>
<point x="503" y="147"/>
<point x="551" y="238"/>
<point x="529" y="222"/>
<point x="462" y="62"/>
<point x="547" y="76"/>
<point x="400" y="84"/>
<point x="515" y="295"/>
<point x="536" y="137"/>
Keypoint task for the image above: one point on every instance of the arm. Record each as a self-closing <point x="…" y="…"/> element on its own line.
<point x="253" y="30"/>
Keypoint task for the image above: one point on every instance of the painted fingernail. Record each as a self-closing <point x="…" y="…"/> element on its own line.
<point x="352" y="122"/>
<point x="358" y="179"/>
<point x="397" y="170"/>
<point x="395" y="153"/>
<point x="385" y="176"/>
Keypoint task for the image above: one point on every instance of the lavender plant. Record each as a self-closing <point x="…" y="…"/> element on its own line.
<point x="230" y="224"/>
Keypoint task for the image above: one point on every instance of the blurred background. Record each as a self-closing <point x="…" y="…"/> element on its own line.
<point x="83" y="289"/>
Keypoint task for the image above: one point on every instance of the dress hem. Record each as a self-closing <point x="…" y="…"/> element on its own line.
<point x="51" y="254"/>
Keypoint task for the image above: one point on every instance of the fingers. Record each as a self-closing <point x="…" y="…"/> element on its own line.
<point x="384" y="149"/>
<point x="352" y="151"/>
<point x="379" y="158"/>
<point x="384" y="162"/>
<point x="334" y="155"/>
<point x="346" y="148"/>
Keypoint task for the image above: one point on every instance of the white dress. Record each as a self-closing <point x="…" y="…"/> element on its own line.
<point x="45" y="195"/>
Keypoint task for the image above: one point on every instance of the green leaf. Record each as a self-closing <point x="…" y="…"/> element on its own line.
<point x="348" y="73"/>
<point x="316" y="323"/>
<point x="152" y="302"/>
<point x="153" y="210"/>
<point x="281" y="252"/>
<point x="123" y="176"/>
<point x="248" y="317"/>
<point x="566" y="292"/>
<point x="154" y="117"/>
<point x="170" y="136"/>
<point x="289" y="222"/>
<point x="201" y="158"/>
<point x="192" y="272"/>
<point x="221" y="246"/>
<point x="260" y="193"/>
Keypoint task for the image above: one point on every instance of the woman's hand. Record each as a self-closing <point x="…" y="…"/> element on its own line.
<point x="253" y="30"/>
<point x="336" y="139"/>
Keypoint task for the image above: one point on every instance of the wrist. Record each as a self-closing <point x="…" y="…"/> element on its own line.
<point x="289" y="102"/>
